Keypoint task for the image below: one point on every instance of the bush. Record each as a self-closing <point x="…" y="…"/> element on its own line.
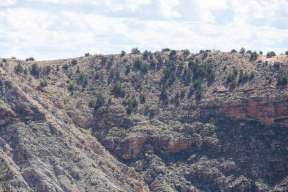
<point x="109" y="100"/>
<point x="197" y="82"/>
<point x="252" y="75"/>
<point x="138" y="63"/>
<point x="74" y="62"/>
<point x="30" y="59"/>
<point x="142" y="98"/>
<point x="104" y="60"/>
<point x="43" y="83"/>
<point x="144" y="67"/>
<point x="123" y="53"/>
<point x="286" y="53"/>
<point x="151" y="56"/>
<point x="199" y="93"/>
<point x="186" y="52"/>
<point x="183" y="91"/>
<point x="128" y="68"/>
<point x="118" y="90"/>
<point x="25" y="71"/>
<point x="205" y="54"/>
<point x="153" y="63"/>
<point x="13" y="57"/>
<point x="282" y="80"/>
<point x="249" y="51"/>
<point x="65" y="66"/>
<point x="271" y="54"/>
<point x="166" y="72"/>
<point x="35" y="70"/>
<point x="100" y="101"/>
<point x="152" y="112"/>
<point x="91" y="103"/>
<point x="172" y="53"/>
<point x="261" y="52"/>
<point x="191" y="89"/>
<point x="135" y="51"/>
<point x="146" y="53"/>
<point x="254" y="55"/>
<point x="71" y="87"/>
<point x="57" y="68"/>
<point x="86" y="55"/>
<point x="242" y="50"/>
<point x="164" y="93"/>
<point x="5" y="60"/>
<point x="18" y="68"/>
<point x="233" y="51"/>
<point x="117" y="74"/>
<point x="165" y="49"/>
<point x="233" y="84"/>
<point x="112" y="73"/>
<point x="47" y="69"/>
<point x="160" y="60"/>
<point x="78" y="69"/>
<point x="277" y="65"/>
<point x="191" y="64"/>
<point x="231" y="77"/>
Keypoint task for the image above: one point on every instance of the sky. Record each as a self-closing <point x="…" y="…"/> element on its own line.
<point x="59" y="29"/>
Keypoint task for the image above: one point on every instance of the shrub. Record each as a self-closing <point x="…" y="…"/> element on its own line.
<point x="186" y="52"/>
<point x="282" y="80"/>
<point x="109" y="100"/>
<point x="235" y="71"/>
<point x="152" y="112"/>
<point x="197" y="82"/>
<point x="125" y="60"/>
<point x="13" y="57"/>
<point x="277" y="65"/>
<point x="172" y="76"/>
<point x="249" y="51"/>
<point x="123" y="53"/>
<point x="191" y="64"/>
<point x="74" y="62"/>
<point x="151" y="56"/>
<point x="271" y="54"/>
<point x="43" y="83"/>
<point x="242" y="50"/>
<point x="205" y="54"/>
<point x="86" y="55"/>
<point x="164" y="93"/>
<point x="138" y="63"/>
<point x="65" y="66"/>
<point x="100" y="101"/>
<point x="135" y="51"/>
<point x="142" y="98"/>
<point x="25" y="71"/>
<point x="128" y="69"/>
<point x="144" y="67"/>
<point x="78" y="69"/>
<point x="166" y="72"/>
<point x="173" y="52"/>
<point x="5" y="60"/>
<point x="117" y="74"/>
<point x="191" y="88"/>
<point x="165" y="49"/>
<point x="85" y="81"/>
<point x="104" y="60"/>
<point x="160" y="60"/>
<point x="47" y="69"/>
<point x="18" y="68"/>
<point x="231" y="77"/>
<point x="252" y="75"/>
<point x="118" y="90"/>
<point x="233" y="84"/>
<point x="261" y="52"/>
<point x="254" y="55"/>
<point x="112" y="73"/>
<point x="233" y="51"/>
<point x="199" y="93"/>
<point x="30" y="59"/>
<point x="91" y="103"/>
<point x="183" y="91"/>
<point x="71" y="87"/>
<point x="146" y="53"/>
<point x="57" y="68"/>
<point x="153" y="63"/>
<point x="286" y="53"/>
<point x="35" y="70"/>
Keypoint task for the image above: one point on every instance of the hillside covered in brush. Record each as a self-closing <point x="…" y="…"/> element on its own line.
<point x="163" y="121"/>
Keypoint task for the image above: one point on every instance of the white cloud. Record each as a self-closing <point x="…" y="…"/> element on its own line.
<point x="166" y="8"/>
<point x="7" y="2"/>
<point x="211" y="4"/>
<point x="254" y="10"/>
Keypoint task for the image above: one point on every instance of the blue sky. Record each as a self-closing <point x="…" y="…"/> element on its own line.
<point x="55" y="29"/>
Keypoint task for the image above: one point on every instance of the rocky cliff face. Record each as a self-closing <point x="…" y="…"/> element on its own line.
<point x="102" y="127"/>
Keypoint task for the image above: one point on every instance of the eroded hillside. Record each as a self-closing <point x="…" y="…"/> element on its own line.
<point x="145" y="122"/>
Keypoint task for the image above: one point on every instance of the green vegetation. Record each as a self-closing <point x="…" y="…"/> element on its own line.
<point x="100" y="101"/>
<point x="135" y="51"/>
<point x="153" y="63"/>
<point x="128" y="68"/>
<point x="35" y="70"/>
<point x="118" y="89"/>
<point x="30" y="59"/>
<point x="173" y="52"/>
<point x="86" y="55"/>
<point x="242" y="50"/>
<point x="233" y="51"/>
<point x="74" y="61"/>
<point x="186" y="52"/>
<point x="47" y="69"/>
<point x="271" y="54"/>
<point x="65" y="66"/>
<point x="43" y="83"/>
<point x="5" y="60"/>
<point x="18" y="68"/>
<point x="123" y="53"/>
<point x="71" y="87"/>
<point x="142" y="98"/>
<point x="165" y="49"/>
